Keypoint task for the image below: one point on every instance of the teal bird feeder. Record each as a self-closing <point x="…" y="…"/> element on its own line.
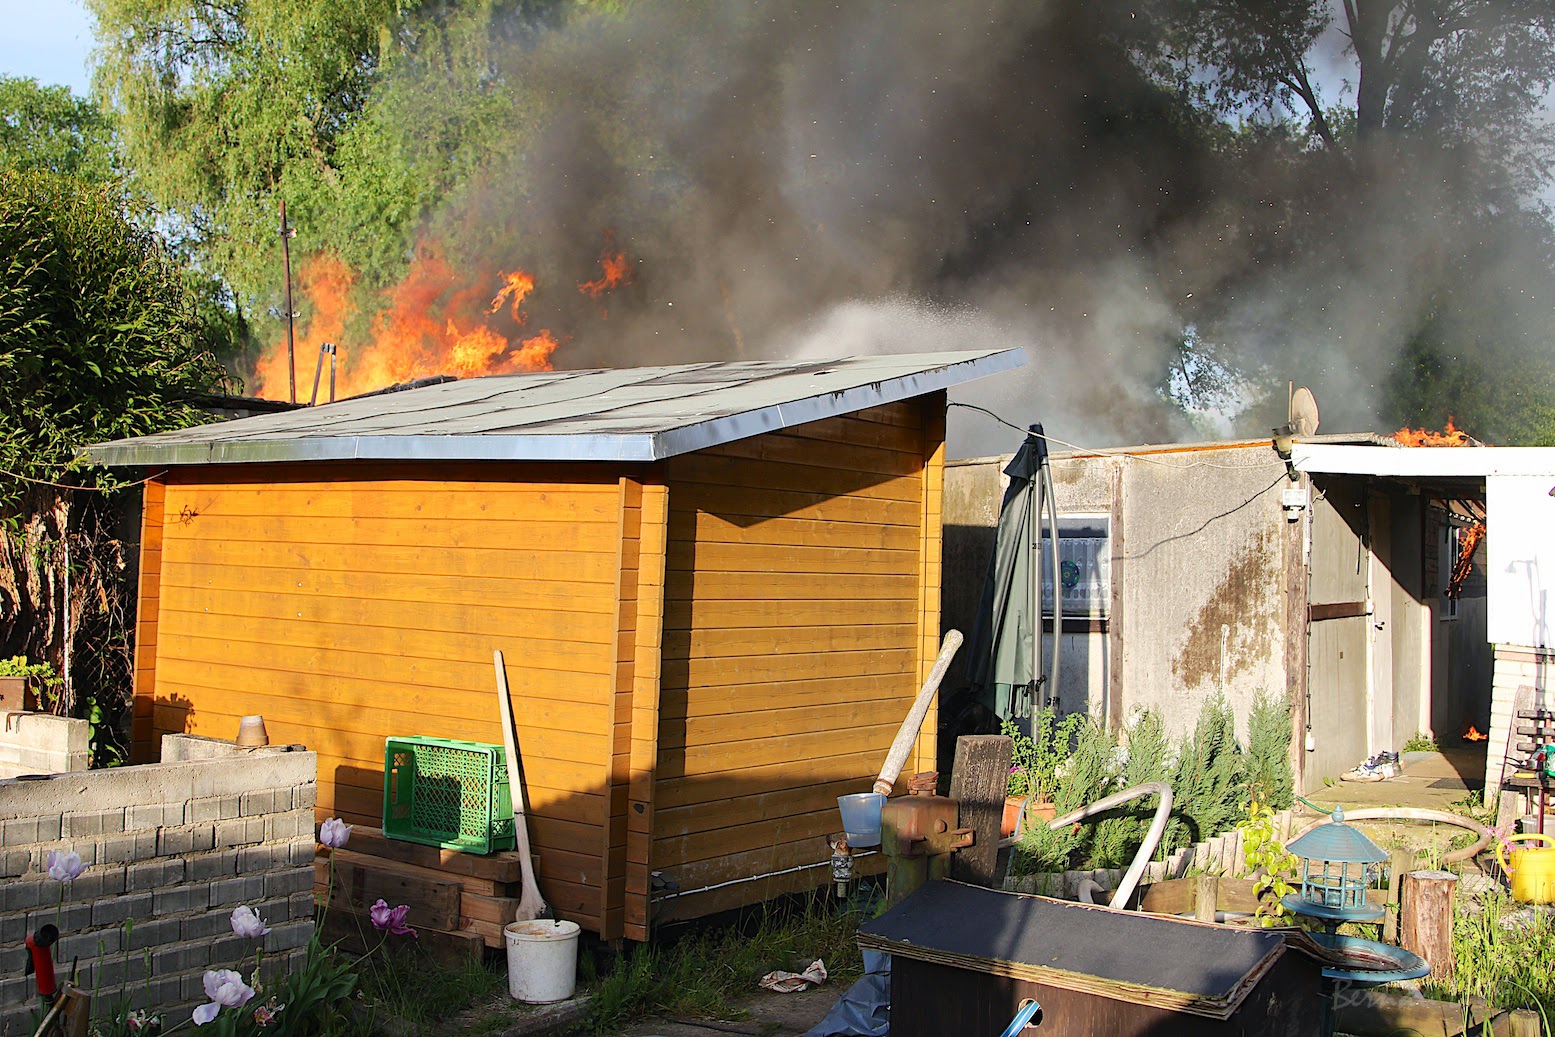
<point x="1337" y="863"/>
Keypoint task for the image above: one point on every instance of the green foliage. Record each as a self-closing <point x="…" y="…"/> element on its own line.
<point x="1208" y="783"/>
<point x="45" y="681"/>
<point x="101" y="337"/>
<point x="1504" y="953"/>
<point x="1420" y="742"/>
<point x="1265" y="857"/>
<point x="1269" y="778"/>
<point x="704" y="972"/>
<point x="1034" y="758"/>
<point x="49" y="129"/>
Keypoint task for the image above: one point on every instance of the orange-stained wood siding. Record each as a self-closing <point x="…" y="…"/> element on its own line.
<point x="801" y="612"/>
<point x="143" y="741"/>
<point x="351" y="602"/>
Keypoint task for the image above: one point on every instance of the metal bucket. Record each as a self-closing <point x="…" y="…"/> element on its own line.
<point x="1531" y="871"/>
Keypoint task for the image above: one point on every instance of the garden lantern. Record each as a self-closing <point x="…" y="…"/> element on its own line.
<point x="1336" y="862"/>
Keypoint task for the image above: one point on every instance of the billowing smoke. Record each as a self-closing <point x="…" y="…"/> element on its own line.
<point x="805" y="179"/>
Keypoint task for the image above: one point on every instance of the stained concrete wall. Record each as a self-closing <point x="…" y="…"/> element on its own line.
<point x="170" y="849"/>
<point x="41" y="743"/>
<point x="1198" y="573"/>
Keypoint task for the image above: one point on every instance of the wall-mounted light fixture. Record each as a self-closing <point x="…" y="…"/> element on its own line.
<point x="1285" y="446"/>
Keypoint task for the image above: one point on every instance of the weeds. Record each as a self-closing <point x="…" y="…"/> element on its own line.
<point x="706" y="972"/>
<point x="1505" y="953"/>
<point x="1420" y="742"/>
<point x="407" y="983"/>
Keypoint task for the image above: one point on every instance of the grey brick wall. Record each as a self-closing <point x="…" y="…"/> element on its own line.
<point x="170" y="850"/>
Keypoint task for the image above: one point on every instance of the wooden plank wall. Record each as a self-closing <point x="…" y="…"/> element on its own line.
<point x="351" y="602"/>
<point x="800" y="609"/>
<point x="144" y="740"/>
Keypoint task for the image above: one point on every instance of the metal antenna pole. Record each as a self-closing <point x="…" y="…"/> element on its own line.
<point x="287" y="233"/>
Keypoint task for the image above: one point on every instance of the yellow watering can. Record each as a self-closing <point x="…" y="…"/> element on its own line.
<point x="1531" y="870"/>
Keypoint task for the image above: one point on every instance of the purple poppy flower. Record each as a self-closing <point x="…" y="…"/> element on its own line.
<point x="247" y="923"/>
<point x="64" y="867"/>
<point x="334" y="833"/>
<point x="391" y="919"/>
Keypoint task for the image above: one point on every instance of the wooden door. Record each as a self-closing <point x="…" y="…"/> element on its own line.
<point x="1338" y="631"/>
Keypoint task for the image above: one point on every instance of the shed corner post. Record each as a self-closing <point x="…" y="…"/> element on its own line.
<point x="626" y="901"/>
<point x="1298" y="593"/>
<point x="143" y="743"/>
<point x="930" y="567"/>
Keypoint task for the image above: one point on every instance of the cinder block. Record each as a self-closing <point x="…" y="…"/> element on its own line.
<point x="14" y="863"/>
<point x="306" y="795"/>
<point x="20" y="831"/>
<point x="89" y="946"/>
<point x="119" y="969"/>
<point x="100" y="880"/>
<point x="93" y="822"/>
<point x="69" y="917"/>
<point x="288" y="824"/>
<point x="153" y="815"/>
<point x="114" y="910"/>
<point x="206" y="808"/>
<point x="177" y="900"/>
<point x="153" y="933"/>
<point x="219" y="865"/>
<point x="303" y="851"/>
<point x="285" y="882"/>
<point x="179" y="957"/>
<point x="262" y="801"/>
<point x="50" y="827"/>
<point x="183" y="840"/>
<point x="154" y="873"/>
<point x="263" y="858"/>
<point x="240" y="831"/>
<point x="303" y="905"/>
<point x="289" y="936"/>
<point x="26" y="894"/>
<point x="207" y="926"/>
<point x="13" y="929"/>
<point x="230" y="892"/>
<point x="18" y="991"/>
<point x="86" y="849"/>
<point x="126" y="847"/>
<point x="231" y="952"/>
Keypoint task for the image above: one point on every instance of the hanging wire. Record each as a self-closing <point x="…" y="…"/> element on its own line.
<point x="1114" y="452"/>
<point x="83" y="489"/>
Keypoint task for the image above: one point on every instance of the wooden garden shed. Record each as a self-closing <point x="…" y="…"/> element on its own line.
<point x="716" y="587"/>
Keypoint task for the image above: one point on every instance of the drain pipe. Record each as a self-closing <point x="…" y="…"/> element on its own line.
<point x="1136" y="869"/>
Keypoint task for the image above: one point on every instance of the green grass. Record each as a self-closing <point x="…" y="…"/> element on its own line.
<point x="405" y="982"/>
<point x="707" y="971"/>
<point x="1509" y="961"/>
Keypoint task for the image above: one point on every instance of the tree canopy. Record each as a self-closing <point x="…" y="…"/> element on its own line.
<point x="49" y="128"/>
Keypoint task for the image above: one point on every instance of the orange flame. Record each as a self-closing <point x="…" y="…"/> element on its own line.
<point x="1452" y="436"/>
<point x="434" y="321"/>
<point x="1473" y="734"/>
<point x="515" y="286"/>
<point x="615" y="272"/>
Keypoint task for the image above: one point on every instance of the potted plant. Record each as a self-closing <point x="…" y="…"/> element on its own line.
<point x="20" y="680"/>
<point x="1030" y="782"/>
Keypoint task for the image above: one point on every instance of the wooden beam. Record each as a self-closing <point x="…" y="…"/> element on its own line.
<point x="977" y="783"/>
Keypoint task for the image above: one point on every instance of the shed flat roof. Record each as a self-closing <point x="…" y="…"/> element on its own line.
<point x="1424" y="462"/>
<point x="636" y="414"/>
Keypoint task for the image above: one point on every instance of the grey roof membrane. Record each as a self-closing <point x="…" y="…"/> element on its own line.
<point x="636" y="414"/>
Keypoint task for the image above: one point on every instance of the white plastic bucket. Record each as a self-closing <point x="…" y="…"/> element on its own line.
<point x="861" y="817"/>
<point x="542" y="960"/>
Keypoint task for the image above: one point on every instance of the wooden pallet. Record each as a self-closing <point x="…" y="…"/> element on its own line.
<point x="458" y="895"/>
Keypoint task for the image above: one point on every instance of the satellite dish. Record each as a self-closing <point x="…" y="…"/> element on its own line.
<point x="1303" y="412"/>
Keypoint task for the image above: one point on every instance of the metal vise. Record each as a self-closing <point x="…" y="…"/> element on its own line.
<point x="918" y="834"/>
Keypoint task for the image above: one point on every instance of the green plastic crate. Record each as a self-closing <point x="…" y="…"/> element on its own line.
<point x="449" y="793"/>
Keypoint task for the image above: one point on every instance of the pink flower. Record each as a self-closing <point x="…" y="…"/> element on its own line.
<point x="247" y="923"/>
<point x="265" y="1014"/>
<point x="226" y="989"/>
<point x="391" y="919"/>
<point x="64" y="867"/>
<point x="334" y="833"/>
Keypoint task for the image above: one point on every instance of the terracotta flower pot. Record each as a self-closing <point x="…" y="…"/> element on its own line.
<point x="1036" y="813"/>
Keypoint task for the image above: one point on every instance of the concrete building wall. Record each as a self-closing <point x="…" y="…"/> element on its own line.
<point x="171" y="848"/>
<point x="1199" y="600"/>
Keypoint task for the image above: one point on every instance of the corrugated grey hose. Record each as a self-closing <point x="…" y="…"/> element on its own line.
<point x="1136" y="869"/>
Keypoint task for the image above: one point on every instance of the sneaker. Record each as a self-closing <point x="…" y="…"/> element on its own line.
<point x="1365" y="772"/>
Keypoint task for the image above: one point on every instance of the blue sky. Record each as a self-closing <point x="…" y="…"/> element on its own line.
<point x="48" y="40"/>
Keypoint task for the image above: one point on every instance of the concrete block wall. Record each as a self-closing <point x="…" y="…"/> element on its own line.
<point x="41" y="743"/>
<point x="171" y="849"/>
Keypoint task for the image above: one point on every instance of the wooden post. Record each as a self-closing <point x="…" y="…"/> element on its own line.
<point x="977" y="783"/>
<point x="1524" y="1022"/>
<point x="1425" y="919"/>
<point x="1400" y="861"/>
<point x="1206" y="894"/>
